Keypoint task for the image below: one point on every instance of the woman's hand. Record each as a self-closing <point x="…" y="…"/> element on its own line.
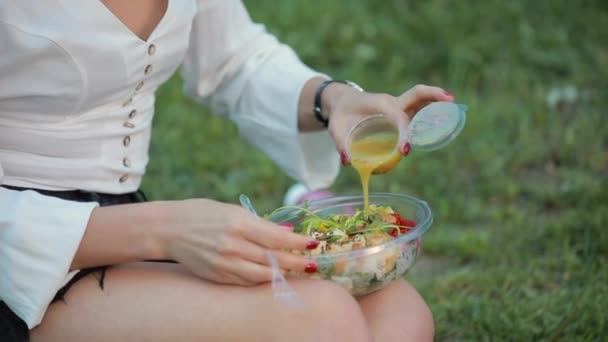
<point x="345" y="106"/>
<point x="226" y="244"/>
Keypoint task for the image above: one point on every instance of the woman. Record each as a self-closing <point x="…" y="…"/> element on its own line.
<point x="77" y="83"/>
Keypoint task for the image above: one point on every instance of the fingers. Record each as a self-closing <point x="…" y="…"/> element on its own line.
<point x="339" y="129"/>
<point x="246" y="254"/>
<point x="420" y="95"/>
<point x="415" y="99"/>
<point x="293" y="262"/>
<point x="246" y="272"/>
<point x="394" y="108"/>
<point x="340" y="137"/>
<point x="273" y="236"/>
<point x="288" y="226"/>
<point x="396" y="113"/>
<point x="252" y="252"/>
<point x="231" y="279"/>
<point x="249" y="272"/>
<point x="364" y="105"/>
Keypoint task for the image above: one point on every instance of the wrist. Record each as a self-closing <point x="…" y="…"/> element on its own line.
<point x="328" y="94"/>
<point x="160" y="232"/>
<point x="332" y="95"/>
<point x="119" y="234"/>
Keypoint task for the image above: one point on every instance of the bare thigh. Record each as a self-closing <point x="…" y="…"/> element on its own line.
<point x="162" y="302"/>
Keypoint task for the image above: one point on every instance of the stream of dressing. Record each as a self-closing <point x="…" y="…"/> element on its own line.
<point x="374" y="154"/>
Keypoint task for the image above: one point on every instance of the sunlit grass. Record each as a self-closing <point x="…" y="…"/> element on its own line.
<point x="520" y="241"/>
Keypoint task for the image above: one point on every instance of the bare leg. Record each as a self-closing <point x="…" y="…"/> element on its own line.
<point x="397" y="313"/>
<point x="162" y="302"/>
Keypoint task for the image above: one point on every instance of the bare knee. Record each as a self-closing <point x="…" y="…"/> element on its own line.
<point x="331" y="314"/>
<point x="427" y="324"/>
<point x="424" y="321"/>
<point x="424" y="327"/>
<point x="385" y="311"/>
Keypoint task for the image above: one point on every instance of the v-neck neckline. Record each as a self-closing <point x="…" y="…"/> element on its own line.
<point x="124" y="27"/>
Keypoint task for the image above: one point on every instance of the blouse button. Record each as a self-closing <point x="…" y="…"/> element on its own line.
<point x="123" y="178"/>
<point x="151" y="49"/>
<point x="148" y="69"/>
<point x="126" y="141"/>
<point x="128" y="102"/>
<point x="132" y="114"/>
<point x="126" y="162"/>
<point x="139" y="85"/>
<point x="128" y="125"/>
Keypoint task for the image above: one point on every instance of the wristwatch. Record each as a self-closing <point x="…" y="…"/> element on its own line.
<point x="317" y="104"/>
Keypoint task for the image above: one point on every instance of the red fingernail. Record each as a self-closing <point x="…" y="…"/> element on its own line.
<point x="448" y="93"/>
<point x="310" y="268"/>
<point x="287" y="225"/>
<point x="344" y="158"/>
<point x="312" y="244"/>
<point x="406" y="149"/>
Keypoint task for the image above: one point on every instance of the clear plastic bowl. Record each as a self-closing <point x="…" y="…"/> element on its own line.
<point x="368" y="269"/>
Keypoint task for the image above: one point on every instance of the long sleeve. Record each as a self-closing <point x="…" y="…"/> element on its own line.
<point x="244" y="73"/>
<point x="39" y="236"/>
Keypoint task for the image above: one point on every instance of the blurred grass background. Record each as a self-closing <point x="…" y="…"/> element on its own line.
<point x="519" y="246"/>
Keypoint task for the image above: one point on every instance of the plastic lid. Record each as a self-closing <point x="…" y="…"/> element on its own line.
<point x="436" y="125"/>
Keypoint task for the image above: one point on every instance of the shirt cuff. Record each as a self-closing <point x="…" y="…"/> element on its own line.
<point x="267" y="117"/>
<point x="39" y="236"/>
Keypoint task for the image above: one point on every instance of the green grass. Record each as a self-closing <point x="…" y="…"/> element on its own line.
<point x="519" y="246"/>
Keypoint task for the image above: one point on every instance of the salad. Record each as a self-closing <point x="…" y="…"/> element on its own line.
<point x="342" y="238"/>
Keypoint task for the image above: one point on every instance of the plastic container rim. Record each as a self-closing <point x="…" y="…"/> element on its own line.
<point x="375" y="198"/>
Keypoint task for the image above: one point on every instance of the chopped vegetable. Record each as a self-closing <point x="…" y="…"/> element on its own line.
<point x="343" y="228"/>
<point x="344" y="233"/>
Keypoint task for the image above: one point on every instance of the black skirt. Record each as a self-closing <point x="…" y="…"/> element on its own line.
<point x="13" y="328"/>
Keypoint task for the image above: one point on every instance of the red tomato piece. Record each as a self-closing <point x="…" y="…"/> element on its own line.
<point x="407" y="223"/>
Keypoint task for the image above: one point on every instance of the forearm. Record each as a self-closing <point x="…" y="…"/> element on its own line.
<point x="306" y="116"/>
<point x="123" y="233"/>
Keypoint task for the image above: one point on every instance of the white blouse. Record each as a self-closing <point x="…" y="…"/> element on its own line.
<point x="76" y="105"/>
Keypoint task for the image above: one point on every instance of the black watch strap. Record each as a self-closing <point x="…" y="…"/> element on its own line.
<point x="318" y="105"/>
